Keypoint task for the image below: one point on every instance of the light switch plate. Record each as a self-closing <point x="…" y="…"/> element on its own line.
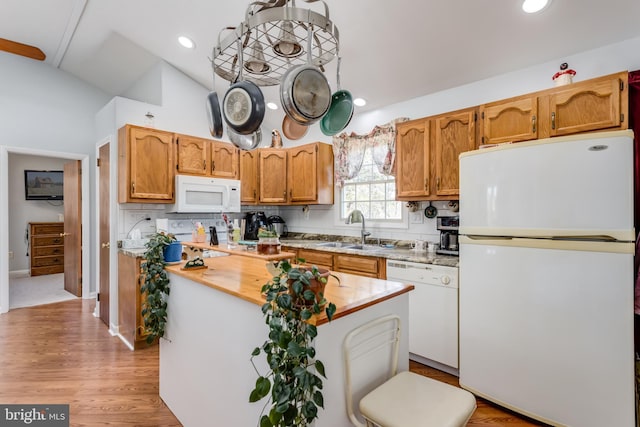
<point x="416" y="217"/>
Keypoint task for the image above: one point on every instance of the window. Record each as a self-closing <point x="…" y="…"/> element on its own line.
<point x="372" y="193"/>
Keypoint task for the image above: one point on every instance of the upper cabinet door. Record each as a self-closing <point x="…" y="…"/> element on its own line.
<point x="588" y="106"/>
<point x="224" y="160"/>
<point x="273" y="175"/>
<point x="454" y="134"/>
<point x="249" y="177"/>
<point x="146" y="165"/>
<point x="510" y="120"/>
<point x="412" y="160"/>
<point x="302" y="173"/>
<point x="192" y="154"/>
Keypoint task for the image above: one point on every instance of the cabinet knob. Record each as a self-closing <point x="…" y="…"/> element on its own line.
<point x="213" y="165"/>
<point x="204" y="165"/>
<point x="133" y="187"/>
<point x="553" y="120"/>
<point x="426" y="183"/>
<point x="65" y="234"/>
<point x="290" y="194"/>
<point x="284" y="194"/>
<point x="106" y="245"/>
<point x="255" y="194"/>
<point x="438" y="183"/>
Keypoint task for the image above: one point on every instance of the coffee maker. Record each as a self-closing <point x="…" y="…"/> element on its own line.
<point x="255" y="221"/>
<point x="448" y="227"/>
<point x="278" y="225"/>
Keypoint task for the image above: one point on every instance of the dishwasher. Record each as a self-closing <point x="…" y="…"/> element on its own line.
<point x="433" y="312"/>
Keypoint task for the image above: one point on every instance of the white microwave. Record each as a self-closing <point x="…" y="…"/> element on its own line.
<point x="199" y="194"/>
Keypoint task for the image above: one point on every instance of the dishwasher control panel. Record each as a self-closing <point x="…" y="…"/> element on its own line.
<point x="416" y="272"/>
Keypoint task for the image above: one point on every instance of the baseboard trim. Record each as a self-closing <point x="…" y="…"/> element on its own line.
<point x="18" y="274"/>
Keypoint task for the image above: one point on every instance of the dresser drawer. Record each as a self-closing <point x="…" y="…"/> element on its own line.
<point x="50" y="269"/>
<point x="39" y="251"/>
<point x="47" y="241"/>
<point x="47" y="229"/>
<point x="44" y="261"/>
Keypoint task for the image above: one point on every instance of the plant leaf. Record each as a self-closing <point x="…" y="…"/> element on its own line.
<point x="320" y="368"/>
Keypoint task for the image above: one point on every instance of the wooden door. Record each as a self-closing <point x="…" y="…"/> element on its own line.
<point x="224" y="160"/>
<point x="302" y="173"/>
<point x="454" y="134"/>
<point x="412" y="160"/>
<point x="73" y="227"/>
<point x="192" y="154"/>
<point x="104" y="232"/>
<point x="249" y="177"/>
<point x="588" y="106"/>
<point x="273" y="175"/>
<point x="511" y="120"/>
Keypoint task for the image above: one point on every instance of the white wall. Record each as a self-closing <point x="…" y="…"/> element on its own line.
<point x="22" y="212"/>
<point x="47" y="109"/>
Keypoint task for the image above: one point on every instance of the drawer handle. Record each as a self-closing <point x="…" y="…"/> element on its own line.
<point x="105" y="245"/>
<point x="65" y="234"/>
<point x="57" y="240"/>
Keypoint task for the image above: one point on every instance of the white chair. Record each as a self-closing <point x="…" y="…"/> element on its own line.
<point x="402" y="400"/>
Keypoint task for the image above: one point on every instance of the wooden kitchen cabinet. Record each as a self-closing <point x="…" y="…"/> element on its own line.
<point x="46" y="240"/>
<point x="249" y="177"/>
<point x="412" y="160"/>
<point x="361" y="265"/>
<point x="272" y="166"/>
<point x="591" y="105"/>
<point x="294" y="176"/>
<point x="199" y="156"/>
<point x="130" y="300"/>
<point x="427" y="153"/>
<point x="320" y="259"/>
<point x="454" y="133"/>
<point x="510" y="120"/>
<point x="595" y="104"/>
<point x="146" y="167"/>
<point x="310" y="174"/>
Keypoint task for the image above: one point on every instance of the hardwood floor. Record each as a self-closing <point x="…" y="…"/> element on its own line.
<point x="61" y="353"/>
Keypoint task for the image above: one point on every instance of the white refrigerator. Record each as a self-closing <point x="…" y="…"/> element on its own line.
<point x="546" y="278"/>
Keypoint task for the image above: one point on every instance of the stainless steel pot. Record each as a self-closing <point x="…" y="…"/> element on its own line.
<point x="304" y="91"/>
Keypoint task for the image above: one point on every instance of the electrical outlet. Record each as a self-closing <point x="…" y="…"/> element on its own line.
<point x="10" y="254"/>
<point x="416" y="217"/>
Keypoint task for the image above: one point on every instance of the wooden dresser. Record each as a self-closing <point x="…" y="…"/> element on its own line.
<point x="46" y="241"/>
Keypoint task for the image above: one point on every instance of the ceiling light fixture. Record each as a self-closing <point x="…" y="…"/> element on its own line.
<point x="274" y="37"/>
<point x="533" y="6"/>
<point x="272" y="106"/>
<point x="186" y="42"/>
<point x="359" y="102"/>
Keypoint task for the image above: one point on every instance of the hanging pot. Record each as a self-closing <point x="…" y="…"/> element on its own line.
<point x="245" y="142"/>
<point x="430" y="211"/>
<point x="213" y="109"/>
<point x="305" y="94"/>
<point x="243" y="105"/>
<point x="293" y="130"/>
<point x="340" y="112"/>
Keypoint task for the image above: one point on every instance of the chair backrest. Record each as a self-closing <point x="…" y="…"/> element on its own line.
<point x="377" y="340"/>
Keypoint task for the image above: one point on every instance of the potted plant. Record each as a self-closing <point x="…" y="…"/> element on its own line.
<point x="294" y="382"/>
<point x="156" y="285"/>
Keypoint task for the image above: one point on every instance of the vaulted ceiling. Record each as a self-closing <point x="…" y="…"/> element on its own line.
<point x="392" y="51"/>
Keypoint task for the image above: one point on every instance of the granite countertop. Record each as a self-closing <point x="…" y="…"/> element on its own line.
<point x="400" y="253"/>
<point x="397" y="253"/>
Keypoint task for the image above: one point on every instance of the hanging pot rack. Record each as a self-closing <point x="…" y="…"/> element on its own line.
<point x="266" y="24"/>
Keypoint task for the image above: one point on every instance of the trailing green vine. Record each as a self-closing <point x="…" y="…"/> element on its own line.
<point x="294" y="382"/>
<point x="156" y="286"/>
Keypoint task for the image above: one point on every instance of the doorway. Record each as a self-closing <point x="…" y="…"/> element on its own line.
<point x="6" y="183"/>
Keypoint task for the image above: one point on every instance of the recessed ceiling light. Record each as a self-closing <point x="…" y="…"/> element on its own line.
<point x="533" y="6"/>
<point x="359" y="102"/>
<point x="272" y="106"/>
<point x="186" y="42"/>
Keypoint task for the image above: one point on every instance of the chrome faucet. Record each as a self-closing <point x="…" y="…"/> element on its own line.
<point x="357" y="216"/>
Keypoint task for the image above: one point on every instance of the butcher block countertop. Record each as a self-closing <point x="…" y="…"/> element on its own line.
<point x="243" y="277"/>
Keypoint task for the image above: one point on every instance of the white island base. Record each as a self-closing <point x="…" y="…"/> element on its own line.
<point x="205" y="372"/>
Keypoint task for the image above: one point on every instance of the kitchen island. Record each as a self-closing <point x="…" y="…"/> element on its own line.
<point x="215" y="322"/>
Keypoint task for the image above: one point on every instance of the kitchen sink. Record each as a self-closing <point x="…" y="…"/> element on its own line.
<point x="346" y="245"/>
<point x="335" y="245"/>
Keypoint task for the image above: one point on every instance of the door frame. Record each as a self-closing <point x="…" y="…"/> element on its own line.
<point x="4" y="216"/>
